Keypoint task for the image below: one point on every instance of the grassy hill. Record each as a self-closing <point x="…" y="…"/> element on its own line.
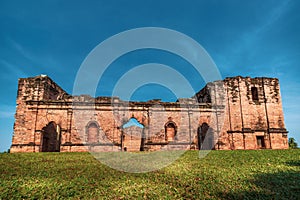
<point x="265" y="174"/>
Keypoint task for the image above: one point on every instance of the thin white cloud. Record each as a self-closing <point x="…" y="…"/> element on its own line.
<point x="273" y="16"/>
<point x="270" y="19"/>
<point x="248" y="41"/>
<point x="22" y="50"/>
<point x="44" y="61"/>
<point x="7" y="111"/>
<point x="6" y="114"/>
<point x="13" y="69"/>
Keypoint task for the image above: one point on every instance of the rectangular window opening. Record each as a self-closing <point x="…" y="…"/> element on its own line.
<point x="254" y="93"/>
<point x="260" y="142"/>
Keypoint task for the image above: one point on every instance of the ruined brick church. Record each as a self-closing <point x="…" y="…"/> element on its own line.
<point x="235" y="113"/>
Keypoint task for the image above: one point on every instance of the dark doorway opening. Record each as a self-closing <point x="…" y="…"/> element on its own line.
<point x="201" y="134"/>
<point x="51" y="138"/>
<point x="260" y="142"/>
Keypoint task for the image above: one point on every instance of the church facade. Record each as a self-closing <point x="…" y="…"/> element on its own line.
<point x="235" y="113"/>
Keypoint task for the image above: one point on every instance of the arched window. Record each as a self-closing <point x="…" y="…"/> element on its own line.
<point x="51" y="138"/>
<point x="92" y="132"/>
<point x="170" y="131"/>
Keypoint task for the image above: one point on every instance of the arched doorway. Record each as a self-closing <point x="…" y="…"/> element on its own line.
<point x="170" y="131"/>
<point x="201" y="134"/>
<point x="133" y="138"/>
<point x="51" y="138"/>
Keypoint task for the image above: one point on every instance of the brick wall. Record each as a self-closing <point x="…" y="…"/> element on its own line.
<point x="228" y="114"/>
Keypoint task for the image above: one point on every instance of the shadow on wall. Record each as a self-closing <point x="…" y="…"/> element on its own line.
<point x="280" y="185"/>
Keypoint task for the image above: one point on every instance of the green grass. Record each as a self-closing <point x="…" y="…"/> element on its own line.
<point x="265" y="174"/>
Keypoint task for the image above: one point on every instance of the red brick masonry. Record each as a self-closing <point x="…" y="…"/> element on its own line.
<point x="236" y="113"/>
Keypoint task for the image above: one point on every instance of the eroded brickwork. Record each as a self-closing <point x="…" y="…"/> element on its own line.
<point x="236" y="113"/>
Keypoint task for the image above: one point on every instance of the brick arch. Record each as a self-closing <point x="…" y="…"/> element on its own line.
<point x="93" y="122"/>
<point x="44" y="120"/>
<point x="140" y="117"/>
<point x="126" y="121"/>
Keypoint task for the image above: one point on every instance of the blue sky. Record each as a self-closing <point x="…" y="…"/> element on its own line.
<point x="248" y="38"/>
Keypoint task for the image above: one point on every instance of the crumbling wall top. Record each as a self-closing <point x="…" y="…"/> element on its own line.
<point x="40" y="88"/>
